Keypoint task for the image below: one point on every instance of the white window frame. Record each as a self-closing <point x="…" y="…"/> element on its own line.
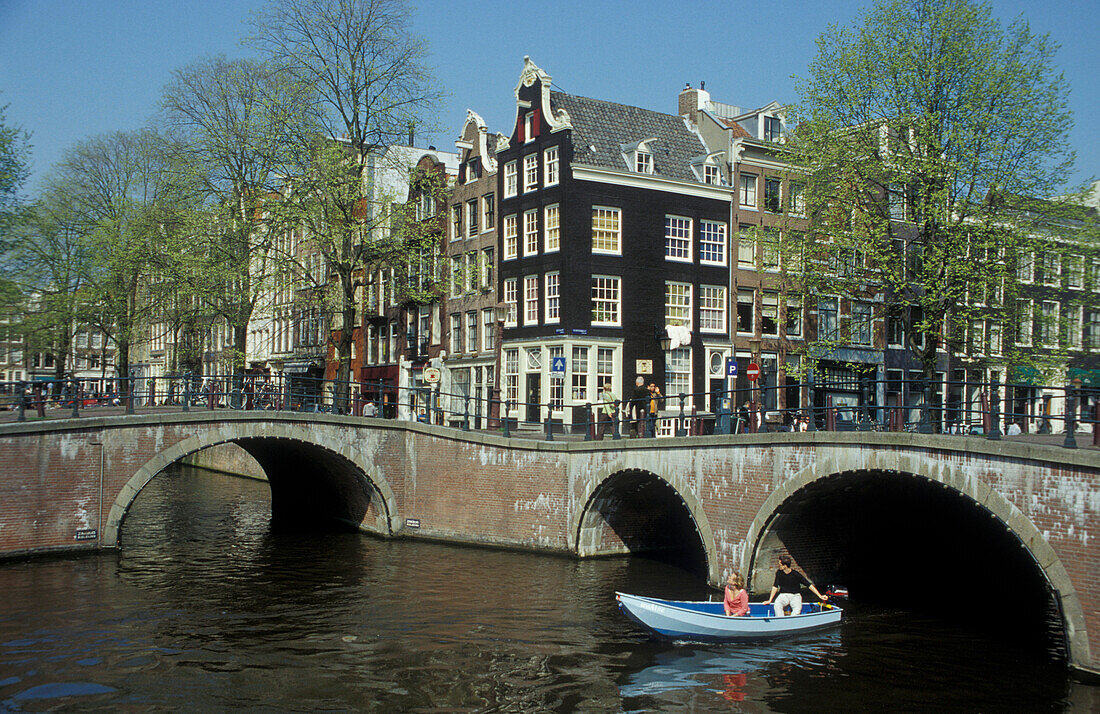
<point x="707" y="232"/>
<point x="678" y="231"/>
<point x="746" y="245"/>
<point x="511" y="286"/>
<point x="488" y="328"/>
<point x="552" y="298"/>
<point x="678" y="304"/>
<point x="604" y="214"/>
<point x="550" y="166"/>
<point x="551" y="228"/>
<point x="712" y="175"/>
<point x="530" y="232"/>
<point x="603" y="283"/>
<point x="712" y="308"/>
<point x="530" y="300"/>
<point x="1046" y="330"/>
<point x="752" y="307"/>
<point x="530" y="173"/>
<point x="471" y="331"/>
<point x="511" y="179"/>
<point x="511" y="236"/>
<point x="643" y="161"/>
<point x="456" y="332"/>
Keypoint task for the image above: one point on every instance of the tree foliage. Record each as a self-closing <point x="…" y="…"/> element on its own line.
<point x="370" y="86"/>
<point x="235" y="127"/>
<point x="917" y="128"/>
<point x="122" y="205"/>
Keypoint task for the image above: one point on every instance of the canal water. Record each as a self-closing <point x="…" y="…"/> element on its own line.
<point x="205" y="608"/>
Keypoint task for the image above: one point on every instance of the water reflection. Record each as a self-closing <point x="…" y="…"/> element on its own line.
<point x="724" y="668"/>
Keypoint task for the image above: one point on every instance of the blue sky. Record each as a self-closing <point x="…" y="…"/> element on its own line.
<point x="70" y="69"/>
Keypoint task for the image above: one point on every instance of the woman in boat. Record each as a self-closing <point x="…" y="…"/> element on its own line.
<point x="736" y="602"/>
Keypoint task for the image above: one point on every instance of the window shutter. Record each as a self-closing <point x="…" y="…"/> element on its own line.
<point x="462" y="173"/>
<point x="520" y="138"/>
<point x="536" y="117"/>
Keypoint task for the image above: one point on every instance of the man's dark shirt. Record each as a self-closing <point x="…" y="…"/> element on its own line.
<point x="791" y="582"/>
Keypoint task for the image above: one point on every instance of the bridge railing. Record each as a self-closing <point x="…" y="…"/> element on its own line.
<point x="966" y="408"/>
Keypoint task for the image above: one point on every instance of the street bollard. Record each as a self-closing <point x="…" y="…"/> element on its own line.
<point x="680" y="430"/>
<point x="549" y="422"/>
<point x="130" y="383"/>
<point x="1070" y="417"/>
<point x="466" y="415"/>
<point x="811" y="422"/>
<point x="925" y="426"/>
<point x="994" y="415"/>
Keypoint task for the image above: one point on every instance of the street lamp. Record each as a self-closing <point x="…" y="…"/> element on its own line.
<point x="500" y="314"/>
<point x="662" y="338"/>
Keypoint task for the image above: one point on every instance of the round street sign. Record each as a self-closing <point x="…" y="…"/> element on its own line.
<point x="752" y="371"/>
<point x="431" y="375"/>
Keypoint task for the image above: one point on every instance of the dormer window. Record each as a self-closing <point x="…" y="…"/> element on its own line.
<point x="772" y="128"/>
<point x="643" y="162"/>
<point x="711" y="174"/>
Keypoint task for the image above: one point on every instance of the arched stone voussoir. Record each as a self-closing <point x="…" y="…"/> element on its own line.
<point x="681" y="485"/>
<point x="238" y="432"/>
<point x="981" y="493"/>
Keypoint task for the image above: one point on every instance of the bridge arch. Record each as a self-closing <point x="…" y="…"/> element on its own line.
<point x="587" y="523"/>
<point x="952" y="478"/>
<point x="273" y="446"/>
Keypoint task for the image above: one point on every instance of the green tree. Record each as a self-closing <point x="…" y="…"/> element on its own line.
<point x="234" y="126"/>
<point x="917" y="128"/>
<point x="48" y="262"/>
<point x="14" y="170"/>
<point x="371" y="85"/>
<point x="124" y="206"/>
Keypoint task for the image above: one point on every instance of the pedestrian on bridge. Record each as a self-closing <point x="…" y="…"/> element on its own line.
<point x="607" y="409"/>
<point x="639" y="407"/>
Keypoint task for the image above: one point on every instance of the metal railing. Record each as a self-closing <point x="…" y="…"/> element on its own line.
<point x="989" y="410"/>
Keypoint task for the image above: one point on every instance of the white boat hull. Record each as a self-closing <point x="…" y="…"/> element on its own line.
<point x="688" y="620"/>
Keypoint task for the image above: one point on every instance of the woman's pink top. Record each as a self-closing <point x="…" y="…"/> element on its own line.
<point x="736" y="604"/>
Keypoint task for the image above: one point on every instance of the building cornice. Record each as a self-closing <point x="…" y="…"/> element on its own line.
<point x="651" y="182"/>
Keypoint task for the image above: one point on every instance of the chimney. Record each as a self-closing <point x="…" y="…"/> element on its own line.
<point x="691" y="101"/>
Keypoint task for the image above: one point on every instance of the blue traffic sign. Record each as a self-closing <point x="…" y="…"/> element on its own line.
<point x="731" y="367"/>
<point x="557" y="364"/>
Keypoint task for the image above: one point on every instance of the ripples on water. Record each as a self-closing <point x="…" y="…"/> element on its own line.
<point x="205" y="608"/>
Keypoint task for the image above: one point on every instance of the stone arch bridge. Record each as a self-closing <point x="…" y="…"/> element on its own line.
<point x="67" y="484"/>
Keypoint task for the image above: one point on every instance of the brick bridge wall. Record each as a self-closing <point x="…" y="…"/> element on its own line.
<point x="65" y="480"/>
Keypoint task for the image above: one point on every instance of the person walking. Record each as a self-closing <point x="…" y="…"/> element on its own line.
<point x="788" y="587"/>
<point x="654" y="407"/>
<point x="607" y="409"/>
<point x="639" y="407"/>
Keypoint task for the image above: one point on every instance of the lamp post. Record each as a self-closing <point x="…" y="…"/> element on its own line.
<point x="500" y="314"/>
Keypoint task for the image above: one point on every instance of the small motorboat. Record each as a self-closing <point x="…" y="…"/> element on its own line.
<point x="698" y="620"/>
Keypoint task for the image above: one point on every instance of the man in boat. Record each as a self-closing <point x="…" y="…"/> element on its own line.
<point x="788" y="586"/>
